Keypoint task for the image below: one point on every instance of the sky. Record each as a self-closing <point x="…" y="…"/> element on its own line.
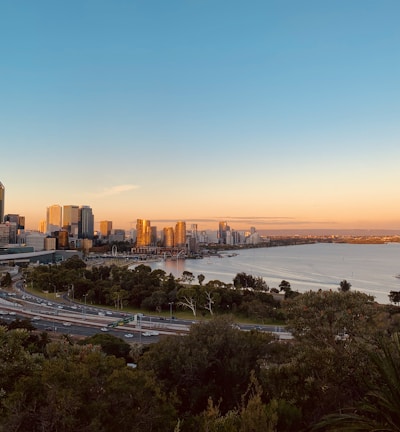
<point x="273" y="114"/>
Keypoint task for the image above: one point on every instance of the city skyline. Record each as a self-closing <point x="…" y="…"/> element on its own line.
<point x="266" y="114"/>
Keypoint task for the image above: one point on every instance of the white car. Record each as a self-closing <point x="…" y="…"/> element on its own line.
<point x="129" y="335"/>
<point x="36" y="318"/>
<point x="66" y="324"/>
<point x="150" y="333"/>
<point x="104" y="329"/>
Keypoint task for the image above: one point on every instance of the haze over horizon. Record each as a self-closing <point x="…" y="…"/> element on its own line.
<point x="278" y="115"/>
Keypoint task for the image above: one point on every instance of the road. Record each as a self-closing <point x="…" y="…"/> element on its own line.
<point x="85" y="320"/>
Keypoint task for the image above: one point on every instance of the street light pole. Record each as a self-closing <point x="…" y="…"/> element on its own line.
<point x="84" y="310"/>
<point x="170" y="310"/>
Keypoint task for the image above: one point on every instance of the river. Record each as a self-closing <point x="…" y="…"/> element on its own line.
<point x="370" y="268"/>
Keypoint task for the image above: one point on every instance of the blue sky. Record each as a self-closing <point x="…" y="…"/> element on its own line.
<point x="280" y="113"/>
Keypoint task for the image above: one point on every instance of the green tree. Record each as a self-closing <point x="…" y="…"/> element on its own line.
<point x="394" y="297"/>
<point x="6" y="281"/>
<point x="187" y="276"/>
<point x="379" y="410"/>
<point x="213" y="360"/>
<point x="110" y="345"/>
<point x="344" y="286"/>
<point x="74" y="263"/>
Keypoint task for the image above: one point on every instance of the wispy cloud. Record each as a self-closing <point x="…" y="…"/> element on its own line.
<point x="116" y="190"/>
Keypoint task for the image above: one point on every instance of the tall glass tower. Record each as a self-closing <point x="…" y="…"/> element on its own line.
<point x="86" y="222"/>
<point x="2" y="193"/>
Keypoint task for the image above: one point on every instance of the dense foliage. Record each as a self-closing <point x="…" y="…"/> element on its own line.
<point x="340" y="372"/>
<point x="154" y="290"/>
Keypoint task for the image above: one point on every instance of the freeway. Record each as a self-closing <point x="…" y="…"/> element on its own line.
<point x="81" y="319"/>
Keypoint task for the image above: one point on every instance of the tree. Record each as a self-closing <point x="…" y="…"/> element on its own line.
<point x="78" y="388"/>
<point x="213" y="360"/>
<point x="74" y="263"/>
<point x="110" y="345"/>
<point x="380" y="408"/>
<point x="344" y="286"/>
<point x="321" y="373"/>
<point x="394" y="297"/>
<point x="187" y="276"/>
<point x="320" y="316"/>
<point x="285" y="286"/>
<point x="200" y="278"/>
<point x="189" y="302"/>
<point x="209" y="301"/>
<point x="243" y="280"/>
<point x="6" y="281"/>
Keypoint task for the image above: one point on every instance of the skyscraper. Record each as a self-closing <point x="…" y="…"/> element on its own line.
<point x="168" y="237"/>
<point x="53" y="218"/>
<point x="222" y="232"/>
<point x="143" y="233"/>
<point x="71" y="219"/>
<point x="105" y="228"/>
<point x="86" y="223"/>
<point x="2" y="193"/>
<point x="180" y="234"/>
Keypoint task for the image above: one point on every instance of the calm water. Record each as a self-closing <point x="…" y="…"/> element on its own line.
<point x="369" y="268"/>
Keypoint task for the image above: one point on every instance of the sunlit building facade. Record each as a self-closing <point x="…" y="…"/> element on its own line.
<point x="105" y="228"/>
<point x="180" y="234"/>
<point x="168" y="237"/>
<point x="2" y="194"/>
<point x="143" y="233"/>
<point x="71" y="219"/>
<point x="53" y="218"/>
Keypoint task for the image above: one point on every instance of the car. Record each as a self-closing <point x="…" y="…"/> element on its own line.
<point x="36" y="318"/>
<point x="150" y="333"/>
<point x="129" y="335"/>
<point x="101" y="314"/>
<point x="60" y="307"/>
<point x="66" y="324"/>
<point x="48" y="329"/>
<point x="104" y="329"/>
<point x="109" y="313"/>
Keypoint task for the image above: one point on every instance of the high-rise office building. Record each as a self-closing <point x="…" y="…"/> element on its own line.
<point x="71" y="219"/>
<point x="153" y="236"/>
<point x="53" y="218"/>
<point x="143" y="233"/>
<point x="42" y="226"/>
<point x="168" y="234"/>
<point x="222" y="232"/>
<point x="180" y="234"/>
<point x="2" y="193"/>
<point x="86" y="223"/>
<point x="17" y="219"/>
<point x="105" y="228"/>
